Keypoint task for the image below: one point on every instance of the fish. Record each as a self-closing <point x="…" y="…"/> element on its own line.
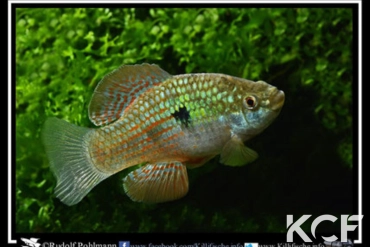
<point x="163" y="124"/>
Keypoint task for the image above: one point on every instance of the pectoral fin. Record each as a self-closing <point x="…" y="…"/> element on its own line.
<point x="156" y="183"/>
<point x="234" y="153"/>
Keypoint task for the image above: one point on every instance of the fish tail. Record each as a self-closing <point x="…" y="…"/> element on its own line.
<point x="67" y="149"/>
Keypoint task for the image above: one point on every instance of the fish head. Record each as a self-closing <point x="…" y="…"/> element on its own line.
<point x="260" y="104"/>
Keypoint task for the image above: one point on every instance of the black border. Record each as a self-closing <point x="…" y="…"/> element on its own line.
<point x="185" y="238"/>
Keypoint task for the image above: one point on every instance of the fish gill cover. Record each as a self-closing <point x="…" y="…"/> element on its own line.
<point x="62" y="54"/>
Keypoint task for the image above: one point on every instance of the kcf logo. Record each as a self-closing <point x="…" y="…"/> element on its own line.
<point x="296" y="226"/>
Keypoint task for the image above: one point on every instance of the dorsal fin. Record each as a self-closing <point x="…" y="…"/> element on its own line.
<point x="120" y="88"/>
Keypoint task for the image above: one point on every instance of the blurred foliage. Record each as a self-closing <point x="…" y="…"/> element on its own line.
<point x="62" y="53"/>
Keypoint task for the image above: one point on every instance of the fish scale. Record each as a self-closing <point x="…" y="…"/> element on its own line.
<point x="166" y="123"/>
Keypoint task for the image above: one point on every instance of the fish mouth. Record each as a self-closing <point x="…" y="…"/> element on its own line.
<point x="277" y="100"/>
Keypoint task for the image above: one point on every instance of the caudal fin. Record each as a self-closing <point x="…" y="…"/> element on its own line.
<point x="66" y="146"/>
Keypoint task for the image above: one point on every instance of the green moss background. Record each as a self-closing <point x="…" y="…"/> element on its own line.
<point x="305" y="163"/>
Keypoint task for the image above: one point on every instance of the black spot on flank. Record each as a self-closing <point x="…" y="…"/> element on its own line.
<point x="182" y="115"/>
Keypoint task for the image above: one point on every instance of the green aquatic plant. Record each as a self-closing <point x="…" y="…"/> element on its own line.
<point x="62" y="53"/>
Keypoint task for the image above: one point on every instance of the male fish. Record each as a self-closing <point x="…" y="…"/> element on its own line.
<point x="168" y="123"/>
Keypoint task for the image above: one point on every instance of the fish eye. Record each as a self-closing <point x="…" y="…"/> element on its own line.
<point x="250" y="102"/>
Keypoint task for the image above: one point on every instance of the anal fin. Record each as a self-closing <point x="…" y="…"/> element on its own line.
<point x="154" y="183"/>
<point x="197" y="162"/>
